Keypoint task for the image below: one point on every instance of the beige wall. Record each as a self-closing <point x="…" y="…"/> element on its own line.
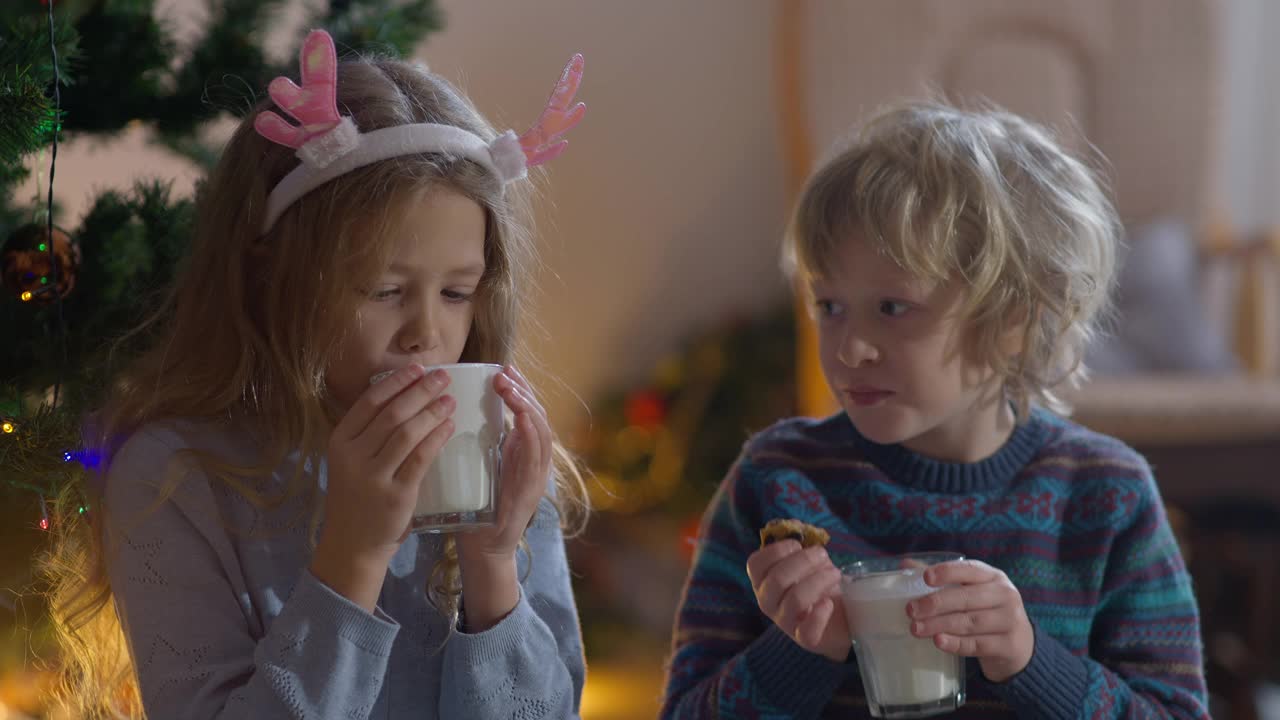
<point x="664" y="215"/>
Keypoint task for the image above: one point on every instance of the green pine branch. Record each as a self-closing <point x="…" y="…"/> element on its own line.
<point x="376" y="25"/>
<point x="26" y="71"/>
<point x="107" y="96"/>
<point x="225" y="72"/>
<point x="25" y="51"/>
<point x="29" y="119"/>
<point x="32" y="455"/>
<point x="131" y="244"/>
<point x="119" y="65"/>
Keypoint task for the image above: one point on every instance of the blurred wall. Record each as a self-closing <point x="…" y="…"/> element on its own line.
<point x="664" y="216"/>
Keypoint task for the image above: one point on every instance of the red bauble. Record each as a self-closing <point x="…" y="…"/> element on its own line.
<point x="27" y="266"/>
<point x="646" y="409"/>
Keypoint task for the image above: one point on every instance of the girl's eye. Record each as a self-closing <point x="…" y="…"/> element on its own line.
<point x="457" y="296"/>
<point x="384" y="293"/>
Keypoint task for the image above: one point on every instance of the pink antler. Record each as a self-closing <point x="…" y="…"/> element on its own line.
<point x="314" y="105"/>
<point x="543" y="142"/>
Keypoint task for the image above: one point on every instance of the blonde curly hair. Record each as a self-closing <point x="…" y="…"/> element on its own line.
<point x="987" y="198"/>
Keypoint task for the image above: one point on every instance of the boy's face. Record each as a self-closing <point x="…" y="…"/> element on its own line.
<point x="420" y="310"/>
<point x="891" y="349"/>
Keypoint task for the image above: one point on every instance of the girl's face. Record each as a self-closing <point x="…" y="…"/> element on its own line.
<point x="420" y="309"/>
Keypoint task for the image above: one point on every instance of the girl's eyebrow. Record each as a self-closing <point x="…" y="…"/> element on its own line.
<point x="475" y="269"/>
<point x="465" y="271"/>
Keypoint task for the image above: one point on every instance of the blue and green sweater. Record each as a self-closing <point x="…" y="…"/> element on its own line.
<point x="1071" y="516"/>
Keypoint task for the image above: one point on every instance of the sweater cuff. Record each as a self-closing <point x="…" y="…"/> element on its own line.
<point x="792" y="679"/>
<point x="372" y="633"/>
<point x="1051" y="685"/>
<point x="496" y="642"/>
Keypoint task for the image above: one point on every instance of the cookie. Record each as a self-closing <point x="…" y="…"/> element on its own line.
<point x="788" y="529"/>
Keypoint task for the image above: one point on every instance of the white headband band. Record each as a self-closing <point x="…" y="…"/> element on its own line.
<point x="330" y="145"/>
<point x="338" y="156"/>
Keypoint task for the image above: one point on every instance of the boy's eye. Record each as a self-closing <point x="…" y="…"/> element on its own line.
<point x="893" y="308"/>
<point x="826" y="308"/>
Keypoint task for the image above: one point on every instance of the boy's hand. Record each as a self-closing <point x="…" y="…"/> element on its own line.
<point x="799" y="589"/>
<point x="981" y="617"/>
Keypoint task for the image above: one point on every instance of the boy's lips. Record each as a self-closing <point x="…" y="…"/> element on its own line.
<point x="864" y="395"/>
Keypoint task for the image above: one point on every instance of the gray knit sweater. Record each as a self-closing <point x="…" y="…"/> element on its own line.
<point x="224" y="620"/>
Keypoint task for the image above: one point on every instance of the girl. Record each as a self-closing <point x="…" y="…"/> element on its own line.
<point x="250" y="528"/>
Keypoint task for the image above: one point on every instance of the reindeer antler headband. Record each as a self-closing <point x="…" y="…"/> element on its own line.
<point x="330" y="145"/>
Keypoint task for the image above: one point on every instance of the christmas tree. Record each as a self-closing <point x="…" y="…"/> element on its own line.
<point x="71" y="295"/>
<point x="68" y="295"/>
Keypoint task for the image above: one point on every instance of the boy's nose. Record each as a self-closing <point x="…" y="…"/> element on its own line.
<point x="855" y="352"/>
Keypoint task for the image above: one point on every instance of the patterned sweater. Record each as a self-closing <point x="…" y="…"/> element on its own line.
<point x="224" y="620"/>
<point x="1071" y="516"/>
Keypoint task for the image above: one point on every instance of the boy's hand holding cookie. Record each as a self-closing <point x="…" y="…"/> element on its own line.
<point x="798" y="587"/>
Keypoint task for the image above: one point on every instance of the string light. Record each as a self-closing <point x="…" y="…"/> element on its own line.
<point x="7" y="426"/>
<point x="89" y="458"/>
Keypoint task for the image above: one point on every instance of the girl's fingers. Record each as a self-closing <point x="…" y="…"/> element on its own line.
<point x="538" y="435"/>
<point x="370" y="402"/>
<point x="415" y="466"/>
<point x="401" y="409"/>
<point x="408" y="437"/>
<point x="535" y="458"/>
<point x="520" y="380"/>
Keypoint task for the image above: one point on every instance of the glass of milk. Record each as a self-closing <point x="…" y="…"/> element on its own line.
<point x="460" y="489"/>
<point x="904" y="676"/>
